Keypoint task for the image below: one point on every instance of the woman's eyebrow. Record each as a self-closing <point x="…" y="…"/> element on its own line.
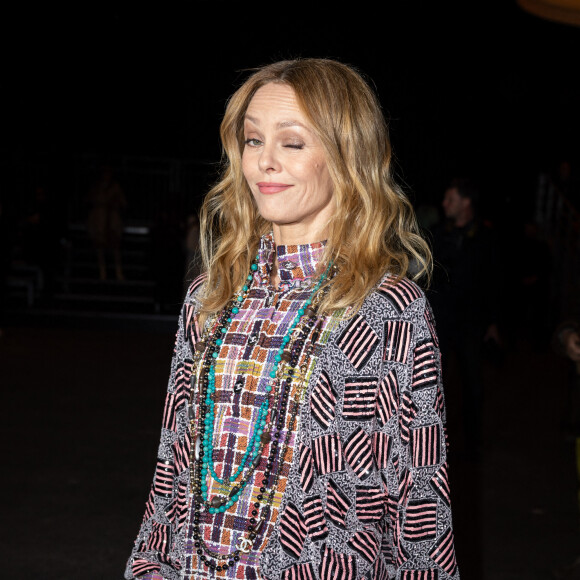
<point x="290" y="123"/>
<point x="279" y="125"/>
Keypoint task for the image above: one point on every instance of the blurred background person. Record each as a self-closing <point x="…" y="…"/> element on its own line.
<point x="41" y="228"/>
<point x="566" y="341"/>
<point x="105" y="223"/>
<point x="464" y="297"/>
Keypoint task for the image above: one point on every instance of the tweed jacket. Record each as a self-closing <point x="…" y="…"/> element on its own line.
<point x="367" y="494"/>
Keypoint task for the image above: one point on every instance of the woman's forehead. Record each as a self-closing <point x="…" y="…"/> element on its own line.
<point x="278" y="103"/>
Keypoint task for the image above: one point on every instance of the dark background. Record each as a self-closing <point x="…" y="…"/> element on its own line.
<point x="480" y="89"/>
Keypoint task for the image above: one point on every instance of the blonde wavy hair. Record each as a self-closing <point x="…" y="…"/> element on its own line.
<point x="373" y="230"/>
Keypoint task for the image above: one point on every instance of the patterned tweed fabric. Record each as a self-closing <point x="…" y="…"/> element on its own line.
<point x="365" y="492"/>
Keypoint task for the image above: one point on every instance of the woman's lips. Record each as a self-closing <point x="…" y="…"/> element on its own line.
<point x="267" y="187"/>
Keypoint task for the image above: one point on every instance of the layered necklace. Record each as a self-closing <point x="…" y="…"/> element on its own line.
<point x="268" y="428"/>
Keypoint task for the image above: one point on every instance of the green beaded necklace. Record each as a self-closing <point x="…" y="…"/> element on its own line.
<point x="257" y="438"/>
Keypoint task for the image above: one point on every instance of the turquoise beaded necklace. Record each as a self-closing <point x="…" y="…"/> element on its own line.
<point x="260" y="429"/>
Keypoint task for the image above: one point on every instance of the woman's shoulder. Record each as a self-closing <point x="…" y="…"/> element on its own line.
<point x="195" y="287"/>
<point x="400" y="292"/>
<point x="400" y="313"/>
<point x="191" y="307"/>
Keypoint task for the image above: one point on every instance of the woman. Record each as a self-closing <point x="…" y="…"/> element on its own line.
<point x="303" y="431"/>
<point x="105" y="222"/>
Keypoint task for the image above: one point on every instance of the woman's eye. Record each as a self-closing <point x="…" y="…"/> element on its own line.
<point x="252" y="142"/>
<point x="295" y="145"/>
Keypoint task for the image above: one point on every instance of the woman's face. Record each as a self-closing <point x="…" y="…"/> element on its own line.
<point x="285" y="166"/>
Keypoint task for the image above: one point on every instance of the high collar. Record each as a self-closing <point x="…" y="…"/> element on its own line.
<point x="296" y="263"/>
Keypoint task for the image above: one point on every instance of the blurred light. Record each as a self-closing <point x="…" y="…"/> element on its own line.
<point x="563" y="11"/>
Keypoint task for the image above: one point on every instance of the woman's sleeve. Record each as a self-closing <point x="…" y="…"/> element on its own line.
<point x="417" y="478"/>
<point x="157" y="549"/>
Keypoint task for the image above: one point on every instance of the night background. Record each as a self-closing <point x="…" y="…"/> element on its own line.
<point x="488" y="90"/>
<point x="484" y="90"/>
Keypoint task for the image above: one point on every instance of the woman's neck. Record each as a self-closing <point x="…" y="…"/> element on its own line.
<point x="297" y="234"/>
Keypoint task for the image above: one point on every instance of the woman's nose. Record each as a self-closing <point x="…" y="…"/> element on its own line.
<point x="268" y="161"/>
